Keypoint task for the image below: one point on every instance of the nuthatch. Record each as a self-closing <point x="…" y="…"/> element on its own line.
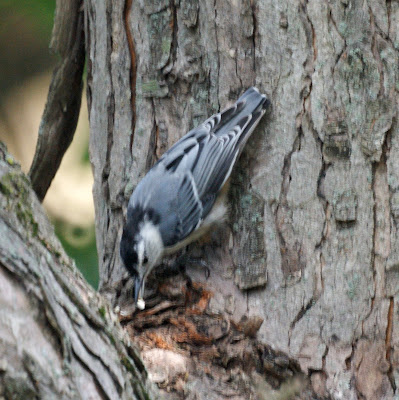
<point x="180" y="197"/>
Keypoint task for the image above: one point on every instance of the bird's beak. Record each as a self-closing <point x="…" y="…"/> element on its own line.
<point x="138" y="282"/>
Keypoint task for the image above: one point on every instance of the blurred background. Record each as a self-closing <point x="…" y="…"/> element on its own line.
<point x="25" y="73"/>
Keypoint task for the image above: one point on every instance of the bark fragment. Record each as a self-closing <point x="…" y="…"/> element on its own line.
<point x="185" y="345"/>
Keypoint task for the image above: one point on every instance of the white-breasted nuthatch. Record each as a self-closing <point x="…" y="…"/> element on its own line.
<point x="179" y="198"/>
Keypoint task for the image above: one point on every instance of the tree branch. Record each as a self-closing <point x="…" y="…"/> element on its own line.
<point x="61" y="113"/>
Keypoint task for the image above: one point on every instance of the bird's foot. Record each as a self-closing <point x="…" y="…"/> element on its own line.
<point x="184" y="259"/>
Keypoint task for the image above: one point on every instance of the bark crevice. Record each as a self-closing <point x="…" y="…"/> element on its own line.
<point x="133" y="68"/>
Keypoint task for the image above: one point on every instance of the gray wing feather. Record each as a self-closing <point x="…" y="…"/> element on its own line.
<point x="185" y="181"/>
<point x="189" y="207"/>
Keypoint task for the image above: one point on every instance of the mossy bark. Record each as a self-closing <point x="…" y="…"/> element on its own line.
<point x="58" y="337"/>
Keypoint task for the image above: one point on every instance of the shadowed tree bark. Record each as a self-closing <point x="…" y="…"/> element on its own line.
<point x="312" y="243"/>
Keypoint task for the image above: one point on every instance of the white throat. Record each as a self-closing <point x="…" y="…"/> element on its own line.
<point x="153" y="241"/>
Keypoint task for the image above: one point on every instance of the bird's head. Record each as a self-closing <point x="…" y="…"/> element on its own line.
<point x="141" y="248"/>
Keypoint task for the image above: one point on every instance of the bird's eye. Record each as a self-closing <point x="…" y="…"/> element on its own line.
<point x="145" y="260"/>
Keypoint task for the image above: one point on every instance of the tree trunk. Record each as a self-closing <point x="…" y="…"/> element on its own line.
<point x="312" y="244"/>
<point x="58" y="339"/>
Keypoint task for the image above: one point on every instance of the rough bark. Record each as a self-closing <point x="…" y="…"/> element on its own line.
<point x="313" y="229"/>
<point x="58" y="339"/>
<point x="61" y="113"/>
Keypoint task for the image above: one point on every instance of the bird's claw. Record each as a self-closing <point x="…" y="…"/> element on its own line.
<point x="183" y="260"/>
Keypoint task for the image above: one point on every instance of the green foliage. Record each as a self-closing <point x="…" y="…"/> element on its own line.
<point x="85" y="155"/>
<point x="39" y="12"/>
<point x="80" y="244"/>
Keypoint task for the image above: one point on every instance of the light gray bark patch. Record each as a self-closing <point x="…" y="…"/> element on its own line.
<point x="189" y="9"/>
<point x="249" y="252"/>
<point x="378" y="121"/>
<point x="345" y="206"/>
<point x="154" y="88"/>
<point x="292" y="263"/>
<point x="155" y="6"/>
<point x="160" y="30"/>
<point x="292" y="257"/>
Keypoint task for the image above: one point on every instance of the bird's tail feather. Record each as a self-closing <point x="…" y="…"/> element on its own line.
<point x="245" y="114"/>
